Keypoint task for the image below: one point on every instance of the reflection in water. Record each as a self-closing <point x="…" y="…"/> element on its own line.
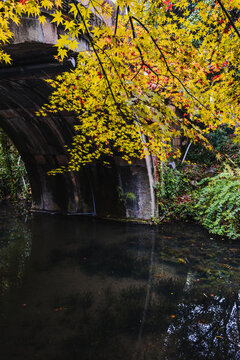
<point x="15" y="249"/>
<point x="209" y="329"/>
<point x="94" y="290"/>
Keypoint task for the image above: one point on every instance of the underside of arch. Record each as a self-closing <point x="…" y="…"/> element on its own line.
<point x="96" y="189"/>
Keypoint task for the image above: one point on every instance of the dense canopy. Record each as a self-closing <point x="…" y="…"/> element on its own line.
<point x="154" y="70"/>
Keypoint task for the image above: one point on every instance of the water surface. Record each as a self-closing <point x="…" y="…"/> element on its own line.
<point x="81" y="288"/>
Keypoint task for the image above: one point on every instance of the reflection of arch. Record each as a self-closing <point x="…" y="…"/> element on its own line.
<point x="41" y="143"/>
<point x="97" y="277"/>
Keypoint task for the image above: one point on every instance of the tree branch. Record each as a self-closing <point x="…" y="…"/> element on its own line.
<point x="96" y="53"/>
<point x="166" y="63"/>
<point x="109" y="58"/>
<point x="228" y="16"/>
<point x="116" y="21"/>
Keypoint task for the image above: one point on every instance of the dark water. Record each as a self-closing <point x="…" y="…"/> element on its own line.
<point x="80" y="288"/>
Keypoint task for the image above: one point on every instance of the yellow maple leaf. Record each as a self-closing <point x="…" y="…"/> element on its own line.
<point x="57" y="17"/>
<point x="58" y="3"/>
<point x="62" y="53"/>
<point x="42" y="19"/>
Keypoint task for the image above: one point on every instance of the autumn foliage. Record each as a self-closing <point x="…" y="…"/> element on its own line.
<point x="164" y="68"/>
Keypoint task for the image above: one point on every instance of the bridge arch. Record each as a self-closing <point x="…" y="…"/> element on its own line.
<point x="41" y="141"/>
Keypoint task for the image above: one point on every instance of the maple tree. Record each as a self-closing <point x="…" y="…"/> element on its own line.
<point x="165" y="68"/>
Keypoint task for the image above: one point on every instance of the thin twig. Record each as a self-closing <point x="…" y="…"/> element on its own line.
<point x="166" y="63"/>
<point x="109" y="58"/>
<point x="135" y="75"/>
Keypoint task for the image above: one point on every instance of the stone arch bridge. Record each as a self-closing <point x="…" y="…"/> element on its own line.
<point x="41" y="141"/>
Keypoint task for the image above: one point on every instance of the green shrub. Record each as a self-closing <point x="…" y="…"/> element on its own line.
<point x="173" y="193"/>
<point x="14" y="183"/>
<point x="218" y="207"/>
<point x="173" y="183"/>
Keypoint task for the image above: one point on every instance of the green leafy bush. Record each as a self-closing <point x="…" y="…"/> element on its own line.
<point x="173" y="183"/>
<point x="14" y="183"/>
<point x="173" y="192"/>
<point x="218" y="207"/>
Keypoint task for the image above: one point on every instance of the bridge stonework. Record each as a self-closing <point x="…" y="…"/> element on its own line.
<point x="96" y="189"/>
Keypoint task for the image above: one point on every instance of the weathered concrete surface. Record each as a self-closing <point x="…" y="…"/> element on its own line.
<point x="30" y="30"/>
<point x="133" y="180"/>
<point x="40" y="142"/>
<point x="96" y="189"/>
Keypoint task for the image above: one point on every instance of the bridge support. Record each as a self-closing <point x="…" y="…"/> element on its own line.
<point x="118" y="190"/>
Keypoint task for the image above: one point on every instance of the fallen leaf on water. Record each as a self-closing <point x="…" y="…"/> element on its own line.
<point x="182" y="260"/>
<point x="160" y="275"/>
<point x="61" y="308"/>
<point x="227" y="266"/>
